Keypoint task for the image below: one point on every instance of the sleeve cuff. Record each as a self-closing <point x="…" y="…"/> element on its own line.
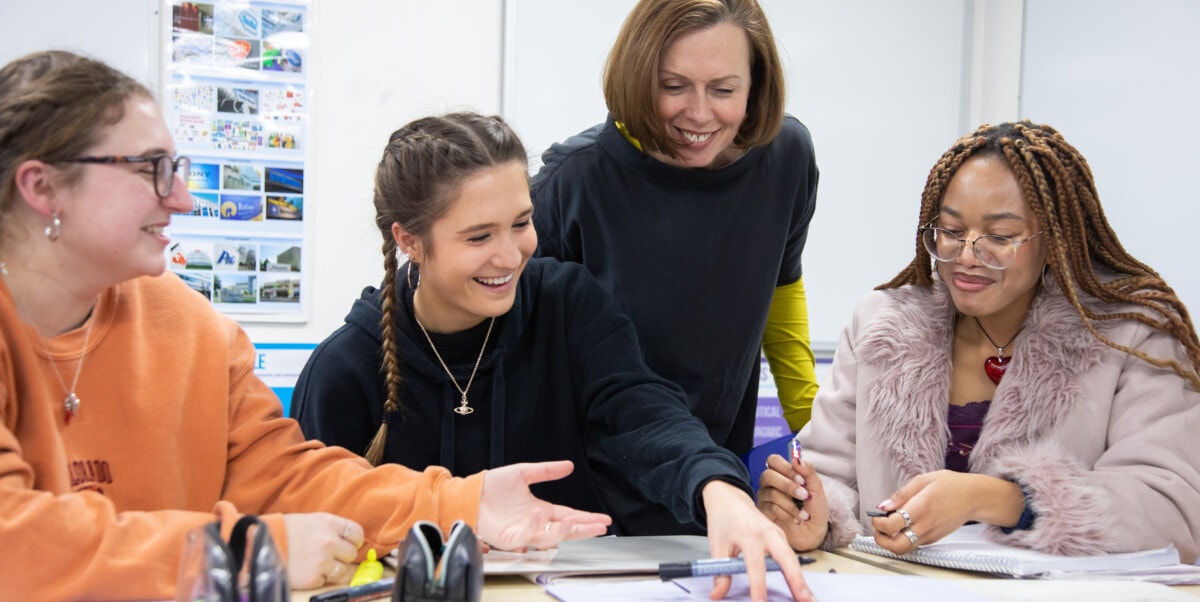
<point x="1025" y="523"/>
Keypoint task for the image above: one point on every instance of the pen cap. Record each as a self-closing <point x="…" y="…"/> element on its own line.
<point x="674" y="570"/>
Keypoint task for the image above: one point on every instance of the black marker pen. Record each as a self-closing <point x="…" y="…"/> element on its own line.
<point x="368" y="591"/>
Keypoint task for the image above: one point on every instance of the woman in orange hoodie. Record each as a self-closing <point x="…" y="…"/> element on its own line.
<point x="129" y="409"/>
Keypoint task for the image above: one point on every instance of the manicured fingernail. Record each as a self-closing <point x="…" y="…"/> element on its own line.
<point x="798" y="479"/>
<point x="884" y="504"/>
<point x="801" y="494"/>
<point x="804" y="515"/>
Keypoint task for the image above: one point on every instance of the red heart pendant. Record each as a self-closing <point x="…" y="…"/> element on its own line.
<point x="995" y="367"/>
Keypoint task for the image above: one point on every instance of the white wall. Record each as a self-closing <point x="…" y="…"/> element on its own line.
<point x="1121" y="81"/>
<point x="124" y="33"/>
<point x="885" y="87"/>
<point x="879" y="83"/>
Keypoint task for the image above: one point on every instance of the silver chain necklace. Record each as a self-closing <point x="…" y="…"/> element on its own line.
<point x="463" y="409"/>
<point x="71" y="401"/>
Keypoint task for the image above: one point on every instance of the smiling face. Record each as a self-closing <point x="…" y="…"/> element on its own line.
<point x="704" y="86"/>
<point x="473" y="256"/>
<point x="112" y="219"/>
<point x="984" y="198"/>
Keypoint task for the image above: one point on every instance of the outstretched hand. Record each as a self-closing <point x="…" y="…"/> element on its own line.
<point x="511" y="518"/>
<point x="791" y="495"/>
<point x="736" y="527"/>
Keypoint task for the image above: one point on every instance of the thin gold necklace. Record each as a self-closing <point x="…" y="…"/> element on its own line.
<point x="463" y="409"/>
<point x="71" y="401"/>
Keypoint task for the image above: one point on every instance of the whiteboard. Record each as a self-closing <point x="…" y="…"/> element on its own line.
<point x="879" y="83"/>
<point x="1121" y="81"/>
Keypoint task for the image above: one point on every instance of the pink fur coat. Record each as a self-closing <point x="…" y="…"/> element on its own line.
<point x="1107" y="445"/>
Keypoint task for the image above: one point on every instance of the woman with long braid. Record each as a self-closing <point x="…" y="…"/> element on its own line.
<point x="472" y="355"/>
<point x="1040" y="380"/>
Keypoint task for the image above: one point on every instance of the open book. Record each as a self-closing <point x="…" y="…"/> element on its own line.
<point x="968" y="549"/>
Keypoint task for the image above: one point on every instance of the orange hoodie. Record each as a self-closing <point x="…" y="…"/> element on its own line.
<point x="174" y="430"/>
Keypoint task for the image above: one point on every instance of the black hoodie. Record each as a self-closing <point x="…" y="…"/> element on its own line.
<point x="563" y="377"/>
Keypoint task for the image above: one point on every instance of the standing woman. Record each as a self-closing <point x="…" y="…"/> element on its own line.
<point x="130" y="413"/>
<point x="1023" y="371"/>
<point x="691" y="205"/>
<point x="474" y="355"/>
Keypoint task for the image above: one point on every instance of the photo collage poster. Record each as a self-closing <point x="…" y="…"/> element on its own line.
<point x="237" y="83"/>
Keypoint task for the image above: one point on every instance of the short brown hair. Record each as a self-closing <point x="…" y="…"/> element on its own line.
<point x="54" y="105"/>
<point x="631" y="71"/>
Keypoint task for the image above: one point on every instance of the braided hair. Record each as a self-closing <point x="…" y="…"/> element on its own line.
<point x="423" y="166"/>
<point x="1058" y="185"/>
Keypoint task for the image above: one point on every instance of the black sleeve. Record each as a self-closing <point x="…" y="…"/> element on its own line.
<point x="338" y="397"/>
<point x="639" y="421"/>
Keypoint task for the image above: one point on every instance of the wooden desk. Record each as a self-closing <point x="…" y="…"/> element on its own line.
<point x="513" y="588"/>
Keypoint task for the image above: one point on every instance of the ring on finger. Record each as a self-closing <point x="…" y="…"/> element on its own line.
<point x="335" y="574"/>
<point x="911" y="536"/>
<point x="907" y="519"/>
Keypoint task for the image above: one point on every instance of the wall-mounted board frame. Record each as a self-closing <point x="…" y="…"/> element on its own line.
<point x="236" y="91"/>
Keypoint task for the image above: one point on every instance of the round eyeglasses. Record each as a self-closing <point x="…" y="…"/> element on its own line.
<point x="164" y="168"/>
<point x="994" y="251"/>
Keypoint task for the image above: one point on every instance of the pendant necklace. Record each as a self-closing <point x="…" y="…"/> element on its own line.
<point x="71" y="401"/>
<point x="463" y="409"/>
<point x="996" y="365"/>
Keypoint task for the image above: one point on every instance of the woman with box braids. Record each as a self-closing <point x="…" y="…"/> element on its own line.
<point x="1043" y="382"/>
<point x="1057" y="183"/>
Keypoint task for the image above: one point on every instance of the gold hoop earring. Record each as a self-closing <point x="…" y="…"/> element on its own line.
<point x="53" y="231"/>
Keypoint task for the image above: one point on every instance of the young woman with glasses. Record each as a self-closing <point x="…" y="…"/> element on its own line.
<point x="1023" y="371"/>
<point x="129" y="409"/>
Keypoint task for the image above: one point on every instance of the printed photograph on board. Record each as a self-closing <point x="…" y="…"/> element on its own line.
<point x="235" y="288"/>
<point x="241" y="207"/>
<point x="279" y="288"/>
<point x="241" y="176"/>
<point x="285" y="207"/>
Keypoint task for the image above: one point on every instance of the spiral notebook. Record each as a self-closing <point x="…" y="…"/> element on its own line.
<point x="967" y="549"/>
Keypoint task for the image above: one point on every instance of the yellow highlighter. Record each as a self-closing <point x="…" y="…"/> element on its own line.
<point x="369" y="571"/>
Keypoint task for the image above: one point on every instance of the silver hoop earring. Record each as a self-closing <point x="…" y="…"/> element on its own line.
<point x="410" y="271"/>
<point x="1045" y="268"/>
<point x="55" y="228"/>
